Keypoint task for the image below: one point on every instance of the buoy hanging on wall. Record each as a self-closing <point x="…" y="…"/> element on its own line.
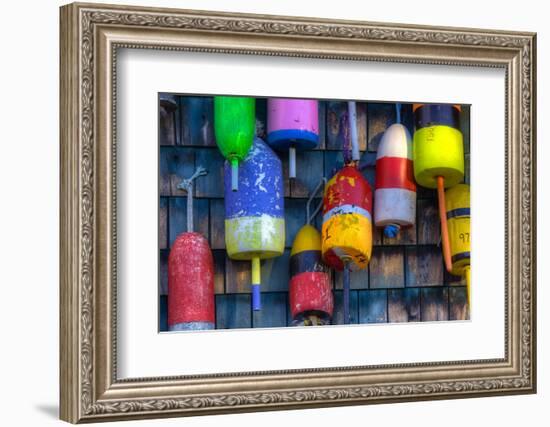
<point x="395" y="190"/>
<point x="190" y="275"/>
<point x="347" y="223"/>
<point x="457" y="202"/>
<point x="292" y="124"/>
<point x="310" y="288"/>
<point x="438" y="153"/>
<point x="254" y="215"/>
<point x="234" y="126"/>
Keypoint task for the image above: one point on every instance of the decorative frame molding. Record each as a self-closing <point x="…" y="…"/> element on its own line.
<point x="90" y="36"/>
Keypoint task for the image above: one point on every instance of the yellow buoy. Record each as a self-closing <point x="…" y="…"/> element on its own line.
<point x="457" y="205"/>
<point x="438" y="153"/>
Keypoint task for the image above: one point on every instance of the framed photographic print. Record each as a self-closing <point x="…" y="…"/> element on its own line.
<point x="266" y="212"/>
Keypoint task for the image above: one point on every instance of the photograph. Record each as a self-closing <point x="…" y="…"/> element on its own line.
<point x="277" y="212"/>
<point x="268" y="211"/>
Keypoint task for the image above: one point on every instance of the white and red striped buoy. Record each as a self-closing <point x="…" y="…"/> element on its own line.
<point x="395" y="189"/>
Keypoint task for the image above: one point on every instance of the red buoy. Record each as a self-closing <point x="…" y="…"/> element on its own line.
<point x="190" y="284"/>
<point x="190" y="275"/>
<point x="310" y="288"/>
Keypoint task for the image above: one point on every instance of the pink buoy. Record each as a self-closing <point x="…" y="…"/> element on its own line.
<point x="292" y="124"/>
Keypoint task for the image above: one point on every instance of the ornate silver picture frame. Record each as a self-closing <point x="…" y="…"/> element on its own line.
<point x="91" y="34"/>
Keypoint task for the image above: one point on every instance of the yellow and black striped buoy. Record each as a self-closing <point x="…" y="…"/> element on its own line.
<point x="457" y="205"/>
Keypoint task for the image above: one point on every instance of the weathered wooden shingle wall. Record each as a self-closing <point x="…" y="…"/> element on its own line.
<point x="405" y="281"/>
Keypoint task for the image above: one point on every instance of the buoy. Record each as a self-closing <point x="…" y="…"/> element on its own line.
<point x="190" y="275"/>
<point x="292" y="124"/>
<point x="438" y="153"/>
<point x="347" y="224"/>
<point x="254" y="215"/>
<point x="457" y="205"/>
<point x="395" y="189"/>
<point x="310" y="290"/>
<point x="234" y="126"/>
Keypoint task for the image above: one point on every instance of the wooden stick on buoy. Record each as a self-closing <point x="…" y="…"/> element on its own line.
<point x="292" y="124"/>
<point x="438" y="151"/>
<point x="444" y="229"/>
<point x="346" y="280"/>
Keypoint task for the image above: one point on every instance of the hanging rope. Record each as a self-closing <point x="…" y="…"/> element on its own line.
<point x="187" y="185"/>
<point x="321" y="185"/>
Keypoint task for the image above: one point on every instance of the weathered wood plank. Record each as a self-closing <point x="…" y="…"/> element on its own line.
<point x="379" y="117"/>
<point x="452" y="280"/>
<point x="181" y="165"/>
<point x="295" y="218"/>
<point x="373" y="306"/>
<point x="458" y="303"/>
<point x="406" y="236"/>
<point x="370" y="175"/>
<point x="212" y="184"/>
<point x="275" y="273"/>
<point x="427" y="222"/>
<point x="404" y="305"/>
<point x="467" y="169"/>
<point x="434" y="304"/>
<point x="465" y="127"/>
<point x="177" y="217"/>
<point x="322" y="125"/>
<point x="274" y="311"/>
<point x="358" y="279"/>
<point x="217" y="224"/>
<point x="407" y="117"/>
<point x="377" y="239"/>
<point x="334" y="112"/>
<point x="387" y="268"/>
<point x="368" y="159"/>
<point x="168" y="110"/>
<point x="335" y="132"/>
<point x="338" y="315"/>
<point x="163" y="272"/>
<point x="233" y="311"/>
<point x="163" y="313"/>
<point x="164" y="171"/>
<point x="198" y="120"/>
<point x="237" y="276"/>
<point x="286" y="179"/>
<point x="333" y="162"/>
<point x="424" y="266"/>
<point x="219" y="271"/>
<point x="309" y="166"/>
<point x="163" y="223"/>
<point x="261" y="118"/>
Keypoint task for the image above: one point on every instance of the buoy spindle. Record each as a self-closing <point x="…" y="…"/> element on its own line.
<point x="292" y="124"/>
<point x="444" y="228"/>
<point x="256" y="281"/>
<point x="234" y="174"/>
<point x="187" y="185"/>
<point x="234" y="127"/>
<point x="352" y="112"/>
<point x="346" y="280"/>
<point x="292" y="161"/>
